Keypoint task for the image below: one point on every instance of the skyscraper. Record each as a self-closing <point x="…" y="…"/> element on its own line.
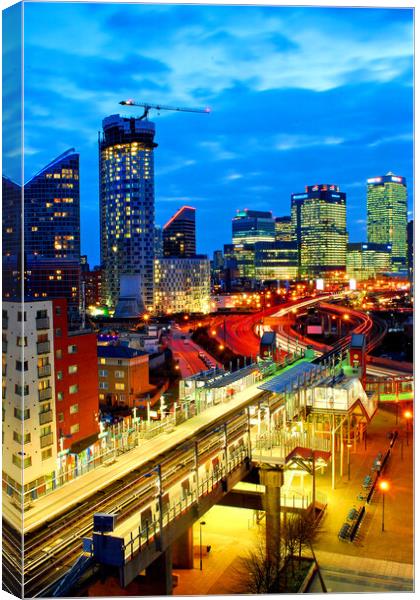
<point x="319" y="220"/>
<point x="251" y="226"/>
<point x="11" y="238"/>
<point x="51" y="233"/>
<point x="284" y="229"/>
<point x="179" y="234"/>
<point x="127" y="211"/>
<point x="367" y="260"/>
<point x="387" y="216"/>
<point x="410" y="248"/>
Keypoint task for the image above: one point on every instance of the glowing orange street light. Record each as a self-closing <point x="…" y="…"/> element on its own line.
<point x="146" y="317"/>
<point x="346" y="317"/>
<point x="186" y="317"/>
<point x="221" y="347"/>
<point x="213" y="332"/>
<point x="408" y="416"/>
<point x="384" y="487"/>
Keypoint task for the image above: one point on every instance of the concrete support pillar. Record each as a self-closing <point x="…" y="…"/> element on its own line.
<point x="272" y="478"/>
<point x="183" y="551"/>
<point x="159" y="573"/>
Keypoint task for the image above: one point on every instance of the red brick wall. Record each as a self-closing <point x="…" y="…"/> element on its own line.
<point x="86" y="378"/>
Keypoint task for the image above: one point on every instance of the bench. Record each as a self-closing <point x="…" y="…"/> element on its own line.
<point x="344" y="532"/>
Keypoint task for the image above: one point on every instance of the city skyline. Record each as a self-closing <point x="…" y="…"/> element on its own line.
<point x="316" y="116"/>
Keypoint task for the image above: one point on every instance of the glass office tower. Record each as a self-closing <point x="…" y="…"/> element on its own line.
<point x="319" y="221"/>
<point x="387" y="216"/>
<point x="127" y="205"/>
<point x="179" y="234"/>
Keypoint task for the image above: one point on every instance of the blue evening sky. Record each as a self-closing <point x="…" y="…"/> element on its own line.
<point x="298" y="96"/>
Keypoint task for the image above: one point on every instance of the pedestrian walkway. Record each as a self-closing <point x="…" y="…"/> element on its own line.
<point x="376" y="561"/>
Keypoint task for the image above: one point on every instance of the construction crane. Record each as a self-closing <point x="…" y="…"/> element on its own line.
<point x="148" y="106"/>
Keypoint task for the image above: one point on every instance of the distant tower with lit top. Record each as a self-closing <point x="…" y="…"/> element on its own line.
<point x="179" y="234"/>
<point x="387" y="216"/>
<point x="127" y="204"/>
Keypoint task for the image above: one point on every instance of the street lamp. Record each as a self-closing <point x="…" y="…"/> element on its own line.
<point x="408" y="416"/>
<point x="384" y="486"/>
<point x="201" y="545"/>
<point x="348" y="460"/>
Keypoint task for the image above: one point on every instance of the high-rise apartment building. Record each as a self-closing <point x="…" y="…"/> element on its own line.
<point x="319" y="220"/>
<point x="283" y="229"/>
<point x="127" y="212"/>
<point x="158" y="242"/>
<point x="182" y="285"/>
<point x="387" y="216"/>
<point x="367" y="260"/>
<point x="179" y="234"/>
<point x="50" y="395"/>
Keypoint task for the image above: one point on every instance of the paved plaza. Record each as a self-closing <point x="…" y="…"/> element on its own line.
<point x="376" y="561"/>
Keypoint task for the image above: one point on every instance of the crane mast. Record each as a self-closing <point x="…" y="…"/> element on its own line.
<point x="147" y="107"/>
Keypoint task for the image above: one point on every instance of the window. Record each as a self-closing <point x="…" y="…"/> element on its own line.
<point x="119" y="374"/>
<point x="102" y="361"/>
<point x="20" y="414"/>
<point x="59" y="375"/>
<point x="101" y="397"/>
<point x="21" y="366"/>
<point x="46" y="454"/>
<point x="58" y="332"/>
<point x="22" y="439"/>
<point x="60" y="417"/>
<point x="46" y="430"/>
<point x="74" y="408"/>
<point x="60" y="396"/>
<point x="119" y="362"/>
<point x="72" y="349"/>
<point x="103" y="373"/>
<point x="73" y="389"/>
<point x="74" y="428"/>
<point x="58" y="310"/>
<point x="72" y="369"/>
<point x="103" y="385"/>
<point x="22" y="341"/>
<point x="21" y="390"/>
<point x="41" y="314"/>
<point x="20" y="461"/>
<point x="59" y="354"/>
<point x="120" y="386"/>
<point x="21" y="316"/>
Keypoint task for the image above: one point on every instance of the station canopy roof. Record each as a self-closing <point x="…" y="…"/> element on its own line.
<point x="230" y="378"/>
<point x="286" y="380"/>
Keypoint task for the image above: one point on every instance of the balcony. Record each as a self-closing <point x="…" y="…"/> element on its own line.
<point x="42" y="347"/>
<point x="42" y="323"/>
<point x="45" y="417"/>
<point x="44" y="371"/>
<point x="46" y="440"/>
<point x="45" y="394"/>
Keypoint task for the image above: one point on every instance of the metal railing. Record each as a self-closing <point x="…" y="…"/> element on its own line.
<point x="45" y="394"/>
<point x="45" y="417"/>
<point x="46" y="440"/>
<point x="42" y="347"/>
<point x="42" y="323"/>
<point x="143" y="536"/>
<point x="44" y="371"/>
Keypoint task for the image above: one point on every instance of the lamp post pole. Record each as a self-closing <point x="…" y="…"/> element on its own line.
<point x="201" y="545"/>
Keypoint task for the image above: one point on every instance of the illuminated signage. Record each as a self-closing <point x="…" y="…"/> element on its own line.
<point x="299" y="196"/>
<point x="352" y="284"/>
<point x="319" y="284"/>
<point x="375" y="180"/>
<point x="335" y="196"/>
<point x="397" y="179"/>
